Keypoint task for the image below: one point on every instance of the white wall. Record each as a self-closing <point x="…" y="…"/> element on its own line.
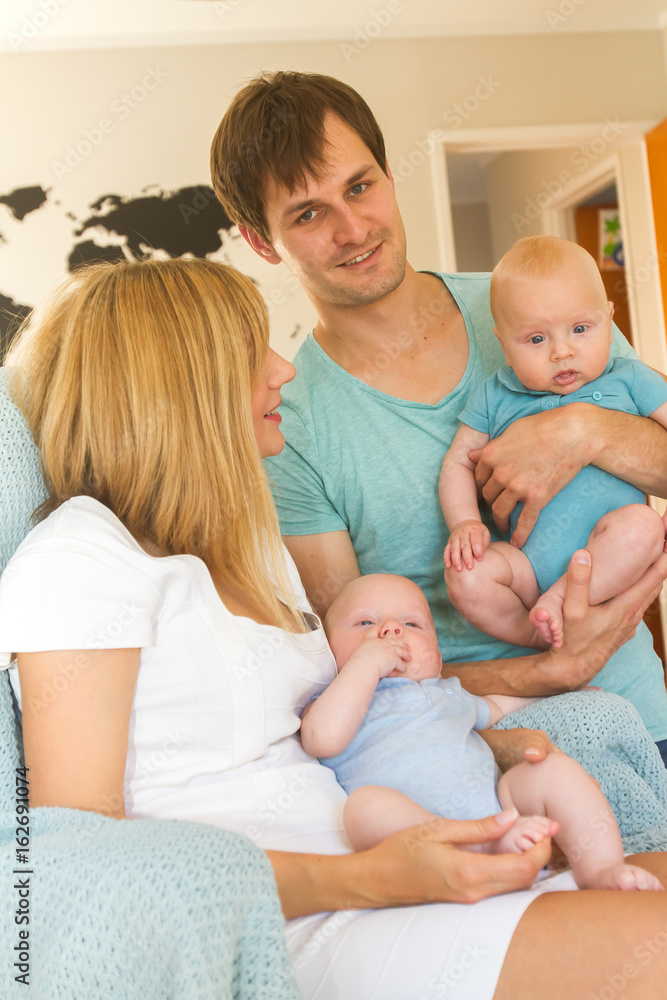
<point x="413" y="85"/>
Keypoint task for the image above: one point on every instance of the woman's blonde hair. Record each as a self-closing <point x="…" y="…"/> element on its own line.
<point x="136" y="382"/>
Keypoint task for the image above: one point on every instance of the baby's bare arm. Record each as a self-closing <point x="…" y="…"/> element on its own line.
<point x="457" y="487"/>
<point x="501" y="705"/>
<point x="329" y="723"/>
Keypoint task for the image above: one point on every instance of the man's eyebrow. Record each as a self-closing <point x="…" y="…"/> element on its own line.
<point x="297" y="208"/>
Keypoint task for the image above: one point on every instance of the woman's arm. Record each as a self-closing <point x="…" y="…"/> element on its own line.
<point x="76" y="715"/>
<point x="420" y="865"/>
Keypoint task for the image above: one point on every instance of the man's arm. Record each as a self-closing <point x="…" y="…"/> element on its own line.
<point x="538" y="455"/>
<point x="326" y="563"/>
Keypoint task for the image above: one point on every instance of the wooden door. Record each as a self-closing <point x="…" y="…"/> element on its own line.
<point x="656" y="150"/>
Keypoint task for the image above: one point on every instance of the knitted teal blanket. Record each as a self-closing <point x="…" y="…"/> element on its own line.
<point x="139" y="910"/>
<point x="132" y="910"/>
<point x="607" y="736"/>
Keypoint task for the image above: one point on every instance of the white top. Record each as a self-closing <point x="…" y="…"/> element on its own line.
<point x="215" y="716"/>
<point x="214" y="737"/>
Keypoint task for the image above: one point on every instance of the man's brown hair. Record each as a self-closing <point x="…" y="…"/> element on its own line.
<point x="275" y="127"/>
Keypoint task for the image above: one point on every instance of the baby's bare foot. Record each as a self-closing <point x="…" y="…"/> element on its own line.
<point x="524" y="834"/>
<point x="547" y="617"/>
<point x="627" y="878"/>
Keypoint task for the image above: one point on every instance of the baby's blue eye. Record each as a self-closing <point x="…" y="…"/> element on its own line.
<point x="365" y="621"/>
<point x="580" y="328"/>
<point x="412" y="624"/>
<point x="537" y="339"/>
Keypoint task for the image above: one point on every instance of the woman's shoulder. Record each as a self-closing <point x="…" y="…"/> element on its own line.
<point x="83" y="539"/>
<point x="81" y="522"/>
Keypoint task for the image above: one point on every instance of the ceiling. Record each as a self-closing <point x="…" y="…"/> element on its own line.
<point x="33" y="25"/>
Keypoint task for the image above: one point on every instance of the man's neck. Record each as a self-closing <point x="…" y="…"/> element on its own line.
<point x="344" y="332"/>
<point x="411" y="343"/>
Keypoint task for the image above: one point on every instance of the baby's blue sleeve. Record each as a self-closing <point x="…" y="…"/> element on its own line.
<point x="483" y="712"/>
<point x="476" y="412"/>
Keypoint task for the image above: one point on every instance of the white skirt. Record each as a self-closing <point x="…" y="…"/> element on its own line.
<point x="443" y="950"/>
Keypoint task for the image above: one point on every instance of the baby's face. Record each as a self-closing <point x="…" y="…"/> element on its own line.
<point x="555" y="332"/>
<point x="385" y="605"/>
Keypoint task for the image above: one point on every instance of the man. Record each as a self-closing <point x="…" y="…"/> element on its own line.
<point x="299" y="164"/>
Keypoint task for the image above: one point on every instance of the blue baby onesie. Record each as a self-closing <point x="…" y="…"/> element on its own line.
<point x="419" y="739"/>
<point x="566" y="522"/>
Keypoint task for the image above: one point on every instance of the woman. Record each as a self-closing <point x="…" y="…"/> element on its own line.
<point x="157" y="601"/>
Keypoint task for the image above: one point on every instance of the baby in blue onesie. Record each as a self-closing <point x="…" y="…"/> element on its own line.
<point x="554" y="323"/>
<point x="402" y="742"/>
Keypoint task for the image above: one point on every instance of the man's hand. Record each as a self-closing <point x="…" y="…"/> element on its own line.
<point x="594" y="633"/>
<point x="530" y="463"/>
<point x="514" y="746"/>
<point x="468" y="541"/>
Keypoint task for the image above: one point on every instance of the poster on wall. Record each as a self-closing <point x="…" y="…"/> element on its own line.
<point x="610" y="240"/>
<point x="42" y="238"/>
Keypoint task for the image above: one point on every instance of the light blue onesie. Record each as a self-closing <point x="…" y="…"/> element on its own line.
<point x="566" y="522"/>
<point x="419" y="739"/>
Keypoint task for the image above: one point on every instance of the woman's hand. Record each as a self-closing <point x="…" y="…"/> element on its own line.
<point x="424" y="864"/>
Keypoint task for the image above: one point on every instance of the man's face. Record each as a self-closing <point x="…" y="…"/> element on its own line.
<point x="342" y="234"/>
<point x="383" y="606"/>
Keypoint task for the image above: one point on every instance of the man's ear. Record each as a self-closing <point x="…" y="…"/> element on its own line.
<point x="259" y="245"/>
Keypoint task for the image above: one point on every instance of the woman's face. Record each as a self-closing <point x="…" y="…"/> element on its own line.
<point x="266" y="399"/>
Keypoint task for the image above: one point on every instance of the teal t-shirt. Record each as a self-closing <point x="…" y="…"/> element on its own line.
<point x="362" y="461"/>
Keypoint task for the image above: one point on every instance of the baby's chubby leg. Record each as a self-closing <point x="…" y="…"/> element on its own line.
<point x="587" y="833"/>
<point x="623" y="544"/>
<point x="374" y="812"/>
<point x="496" y="593"/>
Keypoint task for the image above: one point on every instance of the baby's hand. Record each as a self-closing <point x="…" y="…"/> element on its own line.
<point x="468" y="541"/>
<point x="385" y="654"/>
